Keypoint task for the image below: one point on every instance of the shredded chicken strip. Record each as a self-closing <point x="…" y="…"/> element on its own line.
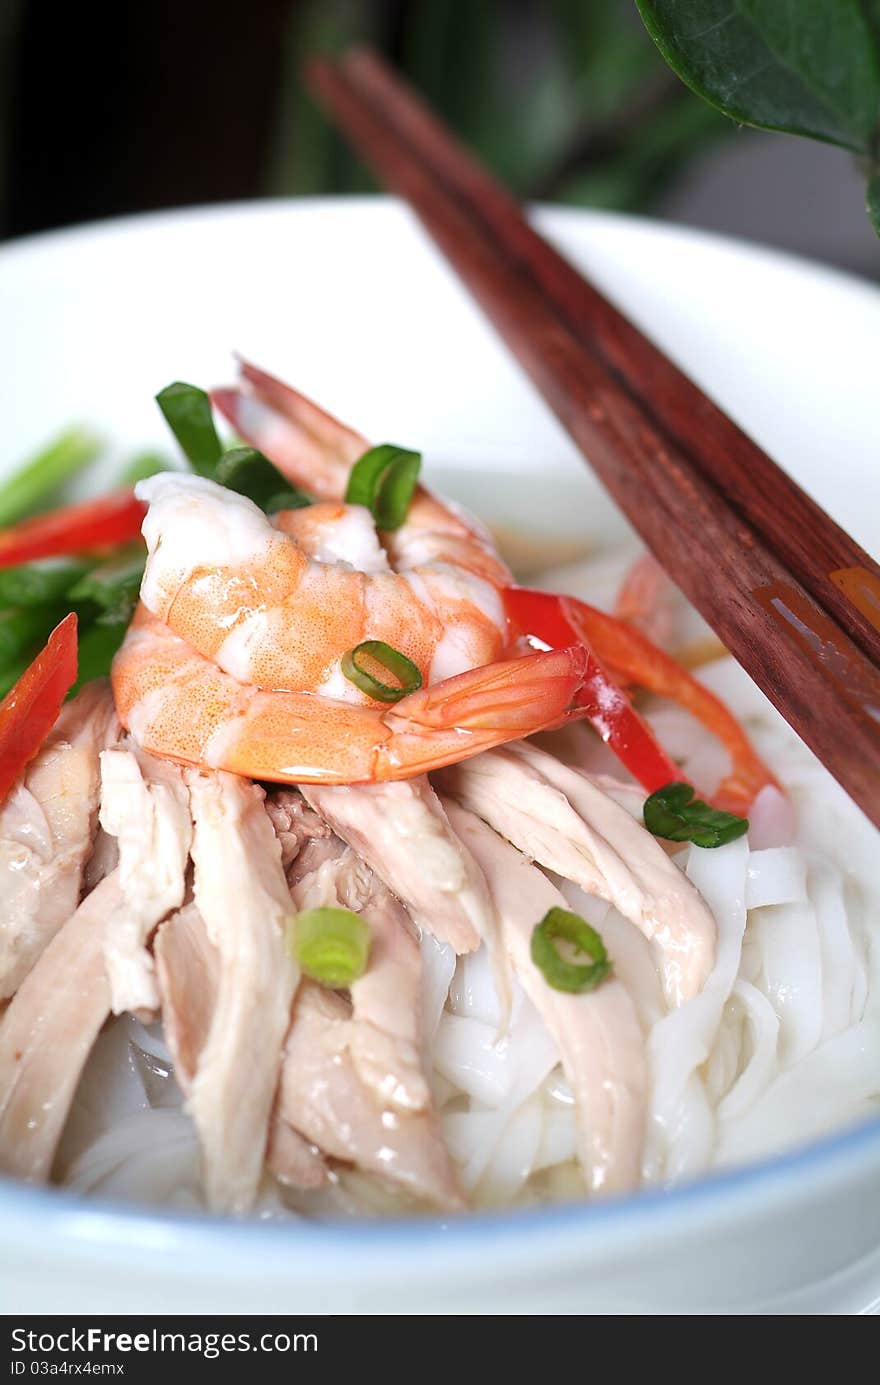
<point x="323" y="1097"/>
<point x="598" y="1034"/>
<point x="188" y="971"/>
<point x="47" y="1033"/>
<point x="401" y="831"/>
<point x="296" y="824"/>
<point x="241" y="893"/>
<point x="558" y="817"/>
<point x="385" y="1038"/>
<point x="47" y="827"/>
<point x="145" y="806"/>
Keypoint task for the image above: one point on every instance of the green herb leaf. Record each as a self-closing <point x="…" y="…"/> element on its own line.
<point x="675" y="814"/>
<point x="35" y="584"/>
<point x="97" y="645"/>
<point x="113" y="586"/>
<point x="35" y="485"/>
<point x="874" y="202"/>
<point x="22" y="628"/>
<point x="409" y="679"/>
<point x="247" y="471"/>
<point x="384" y="479"/>
<point x="144" y="465"/>
<point x="188" y="413"/>
<point x="331" y="945"/>
<point x="811" y="68"/>
<point x="558" y="973"/>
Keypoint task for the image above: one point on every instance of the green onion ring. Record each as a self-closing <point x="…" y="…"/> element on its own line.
<point x="569" y="976"/>
<point x="331" y="945"/>
<point x="396" y="663"/>
<point x="384" y="479"/>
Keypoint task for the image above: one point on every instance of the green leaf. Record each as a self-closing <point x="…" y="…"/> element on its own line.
<point x="247" y="471"/>
<point x="675" y="814"/>
<point x="188" y="413"/>
<point x="874" y="202"/>
<point x="384" y="479"/>
<point x="811" y="68"/>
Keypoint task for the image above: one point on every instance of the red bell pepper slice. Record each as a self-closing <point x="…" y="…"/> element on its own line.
<point x="543" y="616"/>
<point x="30" y="709"/>
<point x="94" y="524"/>
<point x="632" y="659"/>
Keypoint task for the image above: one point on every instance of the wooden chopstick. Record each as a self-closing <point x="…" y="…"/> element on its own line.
<point x="826" y="560"/>
<point x="810" y="667"/>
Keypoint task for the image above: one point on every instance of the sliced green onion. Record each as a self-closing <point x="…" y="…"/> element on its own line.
<point x="398" y="665"/>
<point x="187" y="411"/>
<point x="675" y="814"/>
<point x="113" y="586"/>
<point x="35" y="584"/>
<point x="247" y="471"/>
<point x="144" y="465"/>
<point x="569" y="976"/>
<point x="97" y="646"/>
<point x="384" y="479"/>
<point x="331" y="945"/>
<point x="19" y="629"/>
<point x="35" y="484"/>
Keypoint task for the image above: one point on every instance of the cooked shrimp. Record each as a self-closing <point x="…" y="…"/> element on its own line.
<point x="279" y="606"/>
<point x="317" y="452"/>
<point x="176" y="703"/>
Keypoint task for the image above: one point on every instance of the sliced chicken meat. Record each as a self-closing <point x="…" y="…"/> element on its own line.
<point x="188" y="972"/>
<point x="323" y="1097"/>
<point x="47" y="826"/>
<point x="145" y="806"/>
<point x="385" y="1038"/>
<point x="295" y="823"/>
<point x="401" y="831"/>
<point x="241" y="893"/>
<point x="558" y="817"/>
<point x="188" y="977"/>
<point x="47" y="1033"/>
<point x="598" y="1034"/>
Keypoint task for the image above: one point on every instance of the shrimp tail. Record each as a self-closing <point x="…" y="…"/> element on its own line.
<point x="308" y="445"/>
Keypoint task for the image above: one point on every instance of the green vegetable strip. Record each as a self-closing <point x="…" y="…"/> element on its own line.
<point x="384" y="479"/>
<point x="397" y="664"/>
<point x="331" y="945"/>
<point x="247" y="471"/>
<point x="34" y="485"/>
<point x="35" y="584"/>
<point x="187" y="411"/>
<point x="569" y="976"/>
<point x="143" y="465"/>
<point x="22" y="628"/>
<point x="113" y="586"/>
<point x="675" y="814"/>
<point x="96" y="649"/>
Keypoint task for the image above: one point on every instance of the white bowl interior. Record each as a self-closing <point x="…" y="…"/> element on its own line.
<point x="350" y="302"/>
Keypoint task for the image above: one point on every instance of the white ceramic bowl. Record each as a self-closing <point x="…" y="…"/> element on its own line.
<point x="348" y="300"/>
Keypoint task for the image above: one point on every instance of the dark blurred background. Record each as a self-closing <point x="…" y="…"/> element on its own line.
<point x="106" y="110"/>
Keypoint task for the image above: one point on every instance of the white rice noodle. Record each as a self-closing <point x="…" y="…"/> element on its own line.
<point x="761" y="1067"/>
<point x="836" y="1084"/>
<point x="844" y="974"/>
<point x="438" y="967"/>
<point x="149" y="1156"/>
<point x="788" y="937"/>
<point x="681" y="1130"/>
<point x="776" y="875"/>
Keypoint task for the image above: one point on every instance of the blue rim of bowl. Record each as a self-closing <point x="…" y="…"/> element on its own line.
<point x="87" y="1218"/>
